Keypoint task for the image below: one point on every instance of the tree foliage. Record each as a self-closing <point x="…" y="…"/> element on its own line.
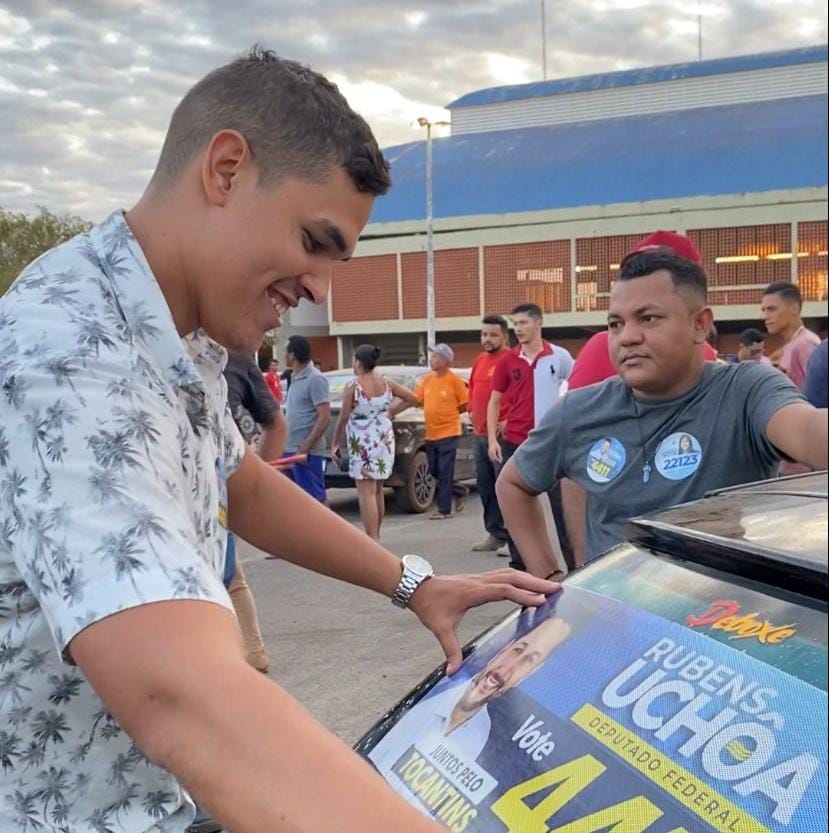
<point x="24" y="237"/>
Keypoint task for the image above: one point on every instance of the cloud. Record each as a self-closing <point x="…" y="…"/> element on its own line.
<point x="87" y="87"/>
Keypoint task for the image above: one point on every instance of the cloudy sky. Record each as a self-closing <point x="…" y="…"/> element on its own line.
<point x="87" y="87"/>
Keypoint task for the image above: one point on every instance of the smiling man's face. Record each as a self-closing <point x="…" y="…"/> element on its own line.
<point x="514" y="663"/>
<point x="268" y="248"/>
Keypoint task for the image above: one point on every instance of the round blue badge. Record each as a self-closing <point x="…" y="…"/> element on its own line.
<point x="678" y="456"/>
<point x="605" y="460"/>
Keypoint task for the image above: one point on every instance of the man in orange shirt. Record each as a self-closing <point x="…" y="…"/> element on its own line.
<point x="443" y="396"/>
<point x="495" y="343"/>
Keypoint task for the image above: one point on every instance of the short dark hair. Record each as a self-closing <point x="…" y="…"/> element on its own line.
<point x="533" y="310"/>
<point x="368" y="355"/>
<point x="751" y="336"/>
<point x="685" y="274"/>
<point x="300" y="348"/>
<point x="498" y="321"/>
<point x="295" y="121"/>
<point x="787" y="291"/>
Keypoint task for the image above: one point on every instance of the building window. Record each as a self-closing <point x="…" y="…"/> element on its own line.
<point x="538" y="273"/>
<point x="742" y="261"/>
<point x="597" y="267"/>
<point x="811" y="260"/>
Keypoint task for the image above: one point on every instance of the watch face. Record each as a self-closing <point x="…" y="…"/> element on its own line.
<point x="419" y="566"/>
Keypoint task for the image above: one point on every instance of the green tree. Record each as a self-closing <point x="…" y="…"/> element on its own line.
<point x="24" y="237"/>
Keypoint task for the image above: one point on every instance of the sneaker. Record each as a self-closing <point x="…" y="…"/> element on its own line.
<point x="489" y="544"/>
<point x="460" y="502"/>
<point x="503" y="551"/>
<point x="439" y="516"/>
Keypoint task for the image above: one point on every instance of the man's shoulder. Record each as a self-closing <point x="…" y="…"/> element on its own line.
<point x="809" y="337"/>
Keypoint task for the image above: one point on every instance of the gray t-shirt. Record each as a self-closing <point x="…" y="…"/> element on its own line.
<point x="711" y="437"/>
<point x="309" y="388"/>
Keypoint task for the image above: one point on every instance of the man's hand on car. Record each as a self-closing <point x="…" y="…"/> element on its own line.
<point x="441" y="602"/>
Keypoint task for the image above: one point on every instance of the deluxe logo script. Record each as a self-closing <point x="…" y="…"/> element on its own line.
<point x="724" y="615"/>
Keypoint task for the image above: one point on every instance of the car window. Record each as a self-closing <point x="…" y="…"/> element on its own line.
<point x="337" y="383"/>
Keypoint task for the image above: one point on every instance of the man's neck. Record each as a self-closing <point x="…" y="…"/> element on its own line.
<point x="792" y="330"/>
<point x="298" y="367"/>
<point x="689" y="381"/>
<point x="157" y="234"/>
<point x="532" y="348"/>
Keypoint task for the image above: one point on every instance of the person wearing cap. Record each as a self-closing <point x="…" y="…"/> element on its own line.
<point x="443" y="396"/>
<point x="666" y="430"/>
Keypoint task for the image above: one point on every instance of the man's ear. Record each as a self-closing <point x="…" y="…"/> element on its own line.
<point x="702" y="320"/>
<point x="227" y="155"/>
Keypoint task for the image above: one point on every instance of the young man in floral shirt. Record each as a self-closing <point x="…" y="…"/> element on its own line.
<point x="121" y="472"/>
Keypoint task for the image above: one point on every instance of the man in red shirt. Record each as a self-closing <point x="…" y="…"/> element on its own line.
<point x="270" y="370"/>
<point x="495" y="341"/>
<point x="530" y="374"/>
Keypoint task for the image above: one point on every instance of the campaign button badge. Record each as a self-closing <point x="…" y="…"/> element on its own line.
<point x="678" y="456"/>
<point x="605" y="460"/>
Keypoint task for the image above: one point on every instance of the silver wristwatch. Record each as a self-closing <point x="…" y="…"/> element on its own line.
<point x="415" y="571"/>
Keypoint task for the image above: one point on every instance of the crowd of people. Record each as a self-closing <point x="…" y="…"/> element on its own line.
<point x="129" y="461"/>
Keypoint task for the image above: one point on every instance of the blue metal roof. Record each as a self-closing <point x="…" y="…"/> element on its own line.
<point x="759" y="146"/>
<point x="648" y="75"/>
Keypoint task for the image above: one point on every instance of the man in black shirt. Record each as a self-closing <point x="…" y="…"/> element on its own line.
<point x="253" y="409"/>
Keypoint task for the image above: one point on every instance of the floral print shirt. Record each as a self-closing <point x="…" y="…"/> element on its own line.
<point x="115" y="445"/>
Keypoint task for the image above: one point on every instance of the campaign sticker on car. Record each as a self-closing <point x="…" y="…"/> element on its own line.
<point x="589" y="715"/>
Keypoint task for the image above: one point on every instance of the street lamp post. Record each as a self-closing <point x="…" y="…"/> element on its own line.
<point x="430" y="248"/>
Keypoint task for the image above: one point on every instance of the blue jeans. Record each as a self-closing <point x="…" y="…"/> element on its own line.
<point x="486" y="473"/>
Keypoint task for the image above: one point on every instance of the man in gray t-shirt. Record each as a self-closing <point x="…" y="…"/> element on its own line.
<point x="669" y="428"/>
<point x="309" y="415"/>
<point x="632" y="456"/>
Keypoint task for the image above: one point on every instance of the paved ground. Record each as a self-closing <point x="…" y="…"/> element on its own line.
<point x="346" y="653"/>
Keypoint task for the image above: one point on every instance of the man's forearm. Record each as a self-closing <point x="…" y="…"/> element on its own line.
<point x="317" y="432"/>
<point x="272" y="444"/>
<point x="232" y="748"/>
<point x="524" y="518"/>
<point x="255" y="736"/>
<point x="303" y="531"/>
<point x="492" y="412"/>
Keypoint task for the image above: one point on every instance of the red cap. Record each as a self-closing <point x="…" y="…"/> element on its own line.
<point x="679" y="244"/>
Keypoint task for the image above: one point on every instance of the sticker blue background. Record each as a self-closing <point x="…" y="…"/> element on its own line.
<point x="605" y="460"/>
<point x="678" y="456"/>
<point x="607" y="637"/>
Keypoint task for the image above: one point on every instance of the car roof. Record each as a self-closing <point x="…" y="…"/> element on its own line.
<point x="773" y="531"/>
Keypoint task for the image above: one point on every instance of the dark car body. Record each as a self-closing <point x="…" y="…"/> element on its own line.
<point x="413" y="487"/>
<point x="686" y="689"/>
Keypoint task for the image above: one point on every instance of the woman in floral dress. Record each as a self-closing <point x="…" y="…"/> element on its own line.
<point x="366" y="424"/>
